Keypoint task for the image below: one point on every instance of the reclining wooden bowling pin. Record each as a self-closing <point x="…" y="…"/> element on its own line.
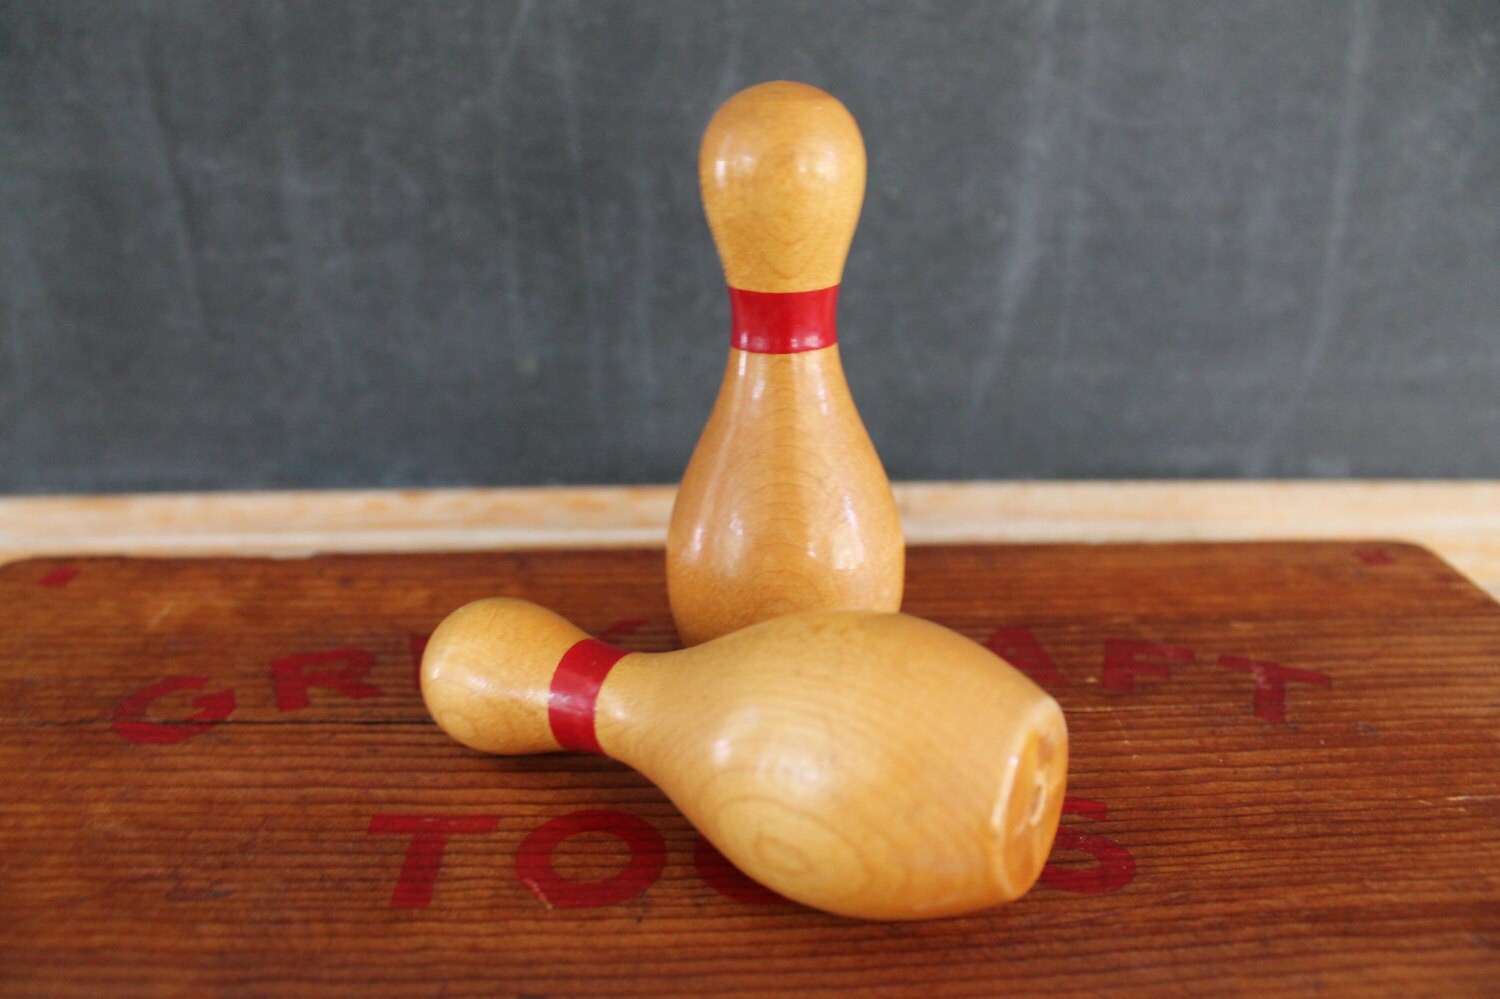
<point x="784" y="505"/>
<point x="872" y="765"/>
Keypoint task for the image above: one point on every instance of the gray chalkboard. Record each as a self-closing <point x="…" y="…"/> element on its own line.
<point x="255" y="244"/>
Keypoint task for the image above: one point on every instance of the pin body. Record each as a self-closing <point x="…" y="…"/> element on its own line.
<point x="872" y="765"/>
<point x="784" y="505"/>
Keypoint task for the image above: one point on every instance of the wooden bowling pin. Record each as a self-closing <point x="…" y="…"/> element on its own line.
<point x="872" y="765"/>
<point x="784" y="505"/>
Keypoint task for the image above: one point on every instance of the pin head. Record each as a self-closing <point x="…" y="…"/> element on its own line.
<point x="782" y="170"/>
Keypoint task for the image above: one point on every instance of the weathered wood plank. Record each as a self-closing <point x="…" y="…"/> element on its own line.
<point x="1286" y="775"/>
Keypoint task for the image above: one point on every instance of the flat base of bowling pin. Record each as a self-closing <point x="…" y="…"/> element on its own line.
<point x="1029" y="805"/>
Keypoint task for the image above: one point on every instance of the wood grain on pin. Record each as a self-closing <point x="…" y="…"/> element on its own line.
<point x="784" y="505"/>
<point x="872" y="765"/>
<point x="782" y="170"/>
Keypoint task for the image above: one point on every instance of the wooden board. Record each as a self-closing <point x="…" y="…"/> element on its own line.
<point x="219" y="779"/>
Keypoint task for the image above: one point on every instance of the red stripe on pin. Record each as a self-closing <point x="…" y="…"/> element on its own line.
<point x="575" y="693"/>
<point x="789" y="322"/>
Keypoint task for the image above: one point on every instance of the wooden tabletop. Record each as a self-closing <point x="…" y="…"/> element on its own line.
<point x="1284" y="779"/>
<point x="1458" y="520"/>
<point x="225" y="782"/>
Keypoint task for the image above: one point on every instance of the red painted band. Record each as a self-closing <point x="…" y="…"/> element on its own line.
<point x="575" y="692"/>
<point x="789" y="322"/>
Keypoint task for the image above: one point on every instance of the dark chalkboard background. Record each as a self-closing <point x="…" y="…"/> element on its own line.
<point x="262" y="244"/>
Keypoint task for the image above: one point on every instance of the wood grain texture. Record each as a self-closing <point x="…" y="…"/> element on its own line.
<point x="876" y="766"/>
<point x="1341" y="836"/>
<point x="1458" y="520"/>
<point x="784" y="505"/>
<point x="782" y="171"/>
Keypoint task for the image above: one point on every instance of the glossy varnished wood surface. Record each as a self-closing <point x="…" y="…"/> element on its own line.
<point x="785" y="505"/>
<point x="1343" y="837"/>
<point x="876" y="766"/>
<point x="782" y="173"/>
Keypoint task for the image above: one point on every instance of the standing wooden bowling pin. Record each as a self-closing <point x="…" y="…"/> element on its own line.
<point x="784" y="505"/>
<point x="873" y="765"/>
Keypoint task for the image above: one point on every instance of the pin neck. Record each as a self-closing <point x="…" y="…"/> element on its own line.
<point x="574" y="696"/>
<point x="788" y="322"/>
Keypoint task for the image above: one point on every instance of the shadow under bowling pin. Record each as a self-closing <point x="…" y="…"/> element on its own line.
<point x="873" y="765"/>
<point x="784" y="505"/>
